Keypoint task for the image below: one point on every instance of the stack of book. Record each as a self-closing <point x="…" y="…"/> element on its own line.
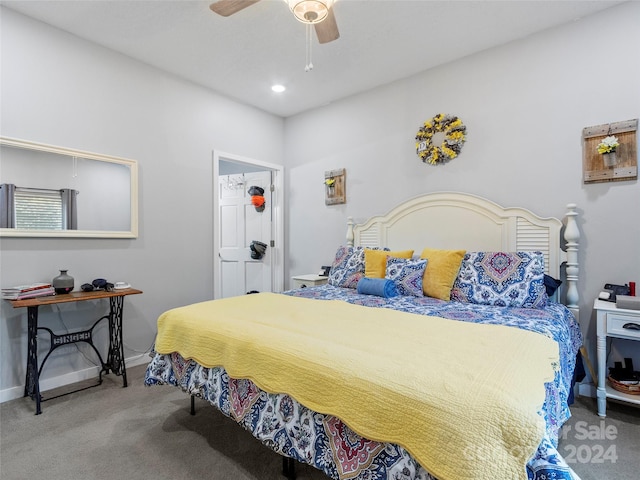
<point x="28" y="291"/>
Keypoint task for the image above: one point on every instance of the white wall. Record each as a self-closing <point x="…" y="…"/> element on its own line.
<point x="61" y="90"/>
<point x="524" y="104"/>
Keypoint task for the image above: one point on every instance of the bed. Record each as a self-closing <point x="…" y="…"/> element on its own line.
<point x="445" y="383"/>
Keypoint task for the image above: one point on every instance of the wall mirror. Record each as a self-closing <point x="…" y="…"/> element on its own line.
<point x="49" y="191"/>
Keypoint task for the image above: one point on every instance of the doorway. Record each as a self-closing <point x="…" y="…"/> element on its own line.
<point x="238" y="223"/>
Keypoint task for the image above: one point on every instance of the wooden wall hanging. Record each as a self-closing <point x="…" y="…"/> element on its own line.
<point x="335" y="187"/>
<point x="593" y="163"/>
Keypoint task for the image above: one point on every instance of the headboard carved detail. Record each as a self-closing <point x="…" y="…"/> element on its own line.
<point x="453" y="220"/>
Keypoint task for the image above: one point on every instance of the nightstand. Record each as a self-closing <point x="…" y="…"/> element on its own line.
<point x="613" y="322"/>
<point x="311" y="280"/>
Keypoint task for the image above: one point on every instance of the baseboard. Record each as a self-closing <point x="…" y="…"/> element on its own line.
<point x="587" y="390"/>
<point x="68" y="378"/>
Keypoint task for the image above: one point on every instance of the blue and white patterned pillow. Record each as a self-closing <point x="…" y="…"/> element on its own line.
<point x="407" y="274"/>
<point x="348" y="266"/>
<point x="505" y="279"/>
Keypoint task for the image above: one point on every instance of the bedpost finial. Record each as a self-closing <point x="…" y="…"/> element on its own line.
<point x="350" y="235"/>
<point x="572" y="233"/>
<point x="572" y="237"/>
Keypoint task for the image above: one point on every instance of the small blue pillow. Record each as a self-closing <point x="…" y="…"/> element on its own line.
<point x="380" y="287"/>
<point x="407" y="274"/>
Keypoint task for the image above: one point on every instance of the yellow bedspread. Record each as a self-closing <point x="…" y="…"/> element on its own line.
<point x="462" y="398"/>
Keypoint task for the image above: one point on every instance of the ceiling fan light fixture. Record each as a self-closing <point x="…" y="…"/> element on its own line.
<point x="310" y="11"/>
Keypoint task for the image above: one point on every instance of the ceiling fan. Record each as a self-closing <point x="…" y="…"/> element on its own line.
<point x="318" y="13"/>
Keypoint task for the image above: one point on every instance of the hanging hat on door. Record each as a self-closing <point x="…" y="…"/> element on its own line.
<point x="258" y="249"/>
<point x="257" y="197"/>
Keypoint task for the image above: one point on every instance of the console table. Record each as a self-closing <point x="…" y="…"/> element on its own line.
<point x="115" y="356"/>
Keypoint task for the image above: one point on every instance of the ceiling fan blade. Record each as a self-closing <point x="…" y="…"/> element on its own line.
<point x="327" y="30"/>
<point x="229" y="7"/>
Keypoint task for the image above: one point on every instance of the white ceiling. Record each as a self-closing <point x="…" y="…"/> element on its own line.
<point x="243" y="55"/>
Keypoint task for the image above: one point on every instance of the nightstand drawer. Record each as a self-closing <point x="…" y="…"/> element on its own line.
<point x="303" y="281"/>
<point x="616" y="325"/>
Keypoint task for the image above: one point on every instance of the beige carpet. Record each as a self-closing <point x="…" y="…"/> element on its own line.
<point x="143" y="433"/>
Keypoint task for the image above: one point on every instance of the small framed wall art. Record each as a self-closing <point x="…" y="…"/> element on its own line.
<point x="609" y="152"/>
<point x="335" y="187"/>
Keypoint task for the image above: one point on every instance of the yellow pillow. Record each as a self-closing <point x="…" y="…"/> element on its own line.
<point x="375" y="261"/>
<point x="441" y="272"/>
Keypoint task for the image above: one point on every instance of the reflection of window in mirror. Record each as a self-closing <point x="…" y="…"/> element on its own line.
<point x="49" y="188"/>
<point x="43" y="209"/>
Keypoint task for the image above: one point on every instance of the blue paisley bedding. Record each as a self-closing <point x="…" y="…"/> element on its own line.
<point x="323" y="441"/>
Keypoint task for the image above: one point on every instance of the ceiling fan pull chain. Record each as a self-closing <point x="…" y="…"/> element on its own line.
<point x="309" y="66"/>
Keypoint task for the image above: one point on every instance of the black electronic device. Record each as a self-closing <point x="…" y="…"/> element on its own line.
<point x="626" y="373"/>
<point x="324" y="271"/>
<point x="611" y="291"/>
<point x="97" y="284"/>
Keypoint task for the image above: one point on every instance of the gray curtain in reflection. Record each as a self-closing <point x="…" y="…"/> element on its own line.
<point x="7" y="206"/>
<point x="69" y="209"/>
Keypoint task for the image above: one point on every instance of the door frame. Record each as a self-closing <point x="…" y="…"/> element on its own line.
<point x="277" y="251"/>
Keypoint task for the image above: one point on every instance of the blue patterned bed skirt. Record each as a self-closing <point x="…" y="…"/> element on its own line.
<point x="323" y="441"/>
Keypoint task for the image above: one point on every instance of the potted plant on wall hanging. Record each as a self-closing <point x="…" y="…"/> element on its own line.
<point x="607" y="148"/>
<point x="331" y="186"/>
<point x="335" y="187"/>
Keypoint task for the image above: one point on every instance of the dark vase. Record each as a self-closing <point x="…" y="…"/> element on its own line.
<point x="63" y="283"/>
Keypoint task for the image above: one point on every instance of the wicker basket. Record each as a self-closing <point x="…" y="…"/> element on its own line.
<point x="623" y="387"/>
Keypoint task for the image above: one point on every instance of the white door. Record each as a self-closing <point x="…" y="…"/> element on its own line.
<point x="240" y="224"/>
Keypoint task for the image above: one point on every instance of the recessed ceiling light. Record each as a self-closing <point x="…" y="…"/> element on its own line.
<point x="278" y="88"/>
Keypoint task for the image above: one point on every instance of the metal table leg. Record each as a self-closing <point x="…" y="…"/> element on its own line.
<point x="115" y="358"/>
<point x="32" y="381"/>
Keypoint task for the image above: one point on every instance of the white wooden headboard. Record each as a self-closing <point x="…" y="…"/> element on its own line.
<point x="452" y="220"/>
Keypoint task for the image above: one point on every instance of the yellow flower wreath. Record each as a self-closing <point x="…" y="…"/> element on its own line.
<point x="454" y="137"/>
